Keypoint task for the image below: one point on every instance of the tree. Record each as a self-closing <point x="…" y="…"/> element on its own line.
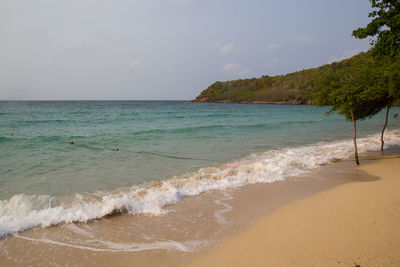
<point x="387" y="82"/>
<point x="351" y="92"/>
<point x="385" y="27"/>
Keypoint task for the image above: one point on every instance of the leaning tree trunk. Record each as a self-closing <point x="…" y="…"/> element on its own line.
<point x="384" y="127"/>
<point x="355" y="138"/>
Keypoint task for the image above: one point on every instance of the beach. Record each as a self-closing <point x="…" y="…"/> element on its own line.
<point x="338" y="214"/>
<point x="199" y="133"/>
<point x="89" y="183"/>
<point x="354" y="224"/>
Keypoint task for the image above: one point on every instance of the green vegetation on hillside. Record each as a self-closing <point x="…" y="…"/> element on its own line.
<point x="292" y="88"/>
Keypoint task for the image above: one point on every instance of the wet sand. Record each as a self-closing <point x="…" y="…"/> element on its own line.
<point x="352" y="224"/>
<point x="190" y="231"/>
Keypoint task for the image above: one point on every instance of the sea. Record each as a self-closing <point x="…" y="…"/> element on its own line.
<point x="65" y="162"/>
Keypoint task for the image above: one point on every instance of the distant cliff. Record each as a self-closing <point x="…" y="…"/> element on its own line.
<point x="292" y="88"/>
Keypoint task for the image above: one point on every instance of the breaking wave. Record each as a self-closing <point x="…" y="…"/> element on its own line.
<point x="22" y="212"/>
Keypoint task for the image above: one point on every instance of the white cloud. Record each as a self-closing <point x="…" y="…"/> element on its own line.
<point x="235" y="70"/>
<point x="273" y="46"/>
<point x="230" y="67"/>
<point x="226" y="49"/>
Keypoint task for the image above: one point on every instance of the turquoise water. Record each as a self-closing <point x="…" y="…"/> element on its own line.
<point x="38" y="158"/>
<point x="157" y="140"/>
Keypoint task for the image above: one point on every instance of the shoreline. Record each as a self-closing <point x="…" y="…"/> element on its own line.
<point x="201" y="222"/>
<point x="349" y="225"/>
<point x="252" y="102"/>
<point x="151" y="198"/>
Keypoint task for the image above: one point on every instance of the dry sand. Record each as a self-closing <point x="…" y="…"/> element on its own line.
<point x="349" y="225"/>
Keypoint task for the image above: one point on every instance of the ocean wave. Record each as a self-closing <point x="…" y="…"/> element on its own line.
<point x="218" y="127"/>
<point x="204" y="128"/>
<point x="37" y="121"/>
<point x="22" y="212"/>
<point x="279" y="124"/>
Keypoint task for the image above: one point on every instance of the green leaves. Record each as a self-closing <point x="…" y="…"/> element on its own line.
<point x="359" y="86"/>
<point x="371" y="81"/>
<point x="385" y="26"/>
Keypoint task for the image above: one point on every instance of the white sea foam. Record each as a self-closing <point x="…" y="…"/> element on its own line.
<point x="124" y="247"/>
<point x="219" y="214"/>
<point x="22" y="212"/>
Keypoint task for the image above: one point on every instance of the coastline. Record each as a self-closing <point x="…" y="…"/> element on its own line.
<point x="228" y="101"/>
<point x="349" y="225"/>
<point x="201" y="222"/>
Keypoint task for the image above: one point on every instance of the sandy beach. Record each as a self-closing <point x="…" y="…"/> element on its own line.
<point x="350" y="225"/>
<point x="337" y="215"/>
<point x="200" y="222"/>
<point x="199" y="133"/>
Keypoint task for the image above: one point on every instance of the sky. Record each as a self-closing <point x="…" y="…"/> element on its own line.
<point x="165" y="49"/>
